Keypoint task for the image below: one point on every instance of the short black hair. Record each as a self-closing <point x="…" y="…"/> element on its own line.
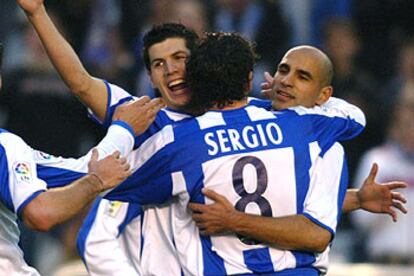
<point x="218" y="71"/>
<point x="159" y="33"/>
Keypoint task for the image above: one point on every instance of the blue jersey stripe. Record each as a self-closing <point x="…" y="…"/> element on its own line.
<point x="134" y="210"/>
<point x="57" y="177"/>
<point x="258" y="260"/>
<point x="86" y="228"/>
<point x="213" y="263"/>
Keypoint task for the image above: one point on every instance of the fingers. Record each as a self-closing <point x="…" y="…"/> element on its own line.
<point x="395" y="185"/>
<point x="212" y="195"/>
<point x="398" y="205"/>
<point x="398" y="197"/>
<point x="95" y="155"/>
<point x="393" y="215"/>
<point x="142" y="101"/>
<point x="196" y="207"/>
<point x="372" y="173"/>
<point x="268" y="77"/>
<point x="116" y="154"/>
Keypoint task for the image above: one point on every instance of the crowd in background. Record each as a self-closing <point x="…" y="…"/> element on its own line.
<point x="370" y="42"/>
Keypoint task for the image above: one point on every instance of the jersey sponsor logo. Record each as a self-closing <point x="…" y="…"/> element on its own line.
<point x="250" y="137"/>
<point x="22" y="171"/>
<point x="113" y="208"/>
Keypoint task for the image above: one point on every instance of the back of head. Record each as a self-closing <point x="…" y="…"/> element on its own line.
<point x="159" y="33"/>
<point x="218" y="71"/>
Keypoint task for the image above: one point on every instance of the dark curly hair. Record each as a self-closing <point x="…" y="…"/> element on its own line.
<point x="159" y="33"/>
<point x="218" y="71"/>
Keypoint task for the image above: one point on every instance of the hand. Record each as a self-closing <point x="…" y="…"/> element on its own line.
<point x="30" y="6"/>
<point x="267" y="86"/>
<point x="139" y="114"/>
<point x="379" y="197"/>
<point x="111" y="170"/>
<point x="214" y="218"/>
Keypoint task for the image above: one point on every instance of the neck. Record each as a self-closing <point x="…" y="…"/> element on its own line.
<point x="234" y="105"/>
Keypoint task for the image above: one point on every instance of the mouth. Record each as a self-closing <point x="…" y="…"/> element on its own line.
<point x="178" y="86"/>
<point x="284" y="96"/>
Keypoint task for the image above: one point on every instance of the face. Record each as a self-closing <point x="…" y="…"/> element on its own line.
<point x="298" y="81"/>
<point x="167" y="71"/>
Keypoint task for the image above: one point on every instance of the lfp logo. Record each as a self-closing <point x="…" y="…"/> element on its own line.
<point x="22" y="171"/>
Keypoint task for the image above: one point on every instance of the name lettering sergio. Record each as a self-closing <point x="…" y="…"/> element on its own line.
<point x="225" y="140"/>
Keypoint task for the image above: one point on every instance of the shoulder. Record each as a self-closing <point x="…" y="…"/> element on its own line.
<point x="10" y="141"/>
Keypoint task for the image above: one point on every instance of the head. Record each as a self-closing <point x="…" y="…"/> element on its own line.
<point x="303" y="77"/>
<point x="166" y="50"/>
<point x="220" y="71"/>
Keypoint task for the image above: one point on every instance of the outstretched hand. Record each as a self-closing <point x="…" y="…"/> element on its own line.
<point x="111" y="170"/>
<point x="138" y="114"/>
<point x="213" y="218"/>
<point x="380" y="197"/>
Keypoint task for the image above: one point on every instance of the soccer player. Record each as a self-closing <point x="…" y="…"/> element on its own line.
<point x="25" y="196"/>
<point x="296" y="82"/>
<point x="86" y="87"/>
<point x="257" y="159"/>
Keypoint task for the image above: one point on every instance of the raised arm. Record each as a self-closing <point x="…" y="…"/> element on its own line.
<point x="91" y="91"/>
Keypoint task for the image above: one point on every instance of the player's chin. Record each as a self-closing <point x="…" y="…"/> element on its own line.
<point x="279" y="105"/>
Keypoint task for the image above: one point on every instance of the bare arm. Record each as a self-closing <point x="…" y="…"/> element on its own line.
<point x="282" y="232"/>
<point x="376" y="197"/>
<point x="58" y="205"/>
<point x="91" y="91"/>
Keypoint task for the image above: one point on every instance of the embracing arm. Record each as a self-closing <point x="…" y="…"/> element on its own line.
<point x="282" y="232"/>
<point x="91" y="91"/>
<point x="58" y="205"/>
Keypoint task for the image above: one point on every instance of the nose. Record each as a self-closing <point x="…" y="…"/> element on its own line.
<point x="170" y="67"/>
<point x="286" y="80"/>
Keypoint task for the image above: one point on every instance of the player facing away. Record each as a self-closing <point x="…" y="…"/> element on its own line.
<point x="238" y="150"/>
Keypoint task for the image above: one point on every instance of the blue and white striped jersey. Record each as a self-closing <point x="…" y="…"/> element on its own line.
<point x="19" y="185"/>
<point x="22" y="169"/>
<point x="240" y="154"/>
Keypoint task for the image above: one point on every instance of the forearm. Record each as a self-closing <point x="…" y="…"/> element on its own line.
<point x="283" y="232"/>
<point x="89" y="90"/>
<point x="60" y="52"/>
<point x="58" y="205"/>
<point x="351" y="201"/>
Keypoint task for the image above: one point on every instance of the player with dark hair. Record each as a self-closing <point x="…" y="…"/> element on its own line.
<point x="25" y="196"/>
<point x="252" y="157"/>
<point x="167" y="72"/>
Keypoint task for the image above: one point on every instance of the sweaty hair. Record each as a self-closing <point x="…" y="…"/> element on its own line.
<point x="159" y="33"/>
<point x="218" y="71"/>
